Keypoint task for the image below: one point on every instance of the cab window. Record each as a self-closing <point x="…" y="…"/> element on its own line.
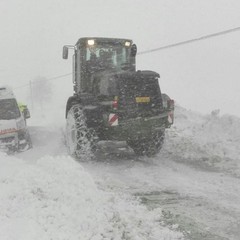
<point x="9" y="109"/>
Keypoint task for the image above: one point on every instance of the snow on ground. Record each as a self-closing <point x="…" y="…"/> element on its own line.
<point x="192" y="186"/>
<point x="209" y="140"/>
<point x="55" y="198"/>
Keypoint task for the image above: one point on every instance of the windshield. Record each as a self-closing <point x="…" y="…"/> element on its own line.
<point x="106" y="56"/>
<point x="9" y="109"/>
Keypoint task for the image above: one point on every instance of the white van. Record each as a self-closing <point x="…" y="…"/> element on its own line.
<point x="14" y="135"/>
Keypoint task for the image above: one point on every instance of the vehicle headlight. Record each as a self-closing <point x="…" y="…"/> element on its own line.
<point x="127" y="44"/>
<point x="91" y="42"/>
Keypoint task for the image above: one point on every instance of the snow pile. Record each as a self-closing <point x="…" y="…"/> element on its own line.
<point x="55" y="198"/>
<point x="207" y="140"/>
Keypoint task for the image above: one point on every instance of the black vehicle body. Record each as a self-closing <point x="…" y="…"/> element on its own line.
<point x="117" y="102"/>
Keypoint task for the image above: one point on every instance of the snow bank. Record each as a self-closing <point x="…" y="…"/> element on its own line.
<point x="57" y="199"/>
<point x="210" y="140"/>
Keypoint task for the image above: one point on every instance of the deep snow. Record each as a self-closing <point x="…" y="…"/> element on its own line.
<point x="55" y="198"/>
<point x="212" y="139"/>
<point x="190" y="189"/>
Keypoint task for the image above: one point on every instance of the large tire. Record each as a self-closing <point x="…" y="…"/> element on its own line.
<point x="148" y="147"/>
<point x="79" y="138"/>
<point x="25" y="142"/>
<point x="165" y="99"/>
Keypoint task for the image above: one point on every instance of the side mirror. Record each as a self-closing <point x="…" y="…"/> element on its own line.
<point x="26" y="113"/>
<point x="65" y="52"/>
<point x="133" y="50"/>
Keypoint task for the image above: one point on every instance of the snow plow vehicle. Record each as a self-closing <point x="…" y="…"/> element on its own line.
<point x="112" y="101"/>
<point x="14" y="135"/>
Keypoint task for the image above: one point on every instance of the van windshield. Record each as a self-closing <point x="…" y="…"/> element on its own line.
<point x="9" y="109"/>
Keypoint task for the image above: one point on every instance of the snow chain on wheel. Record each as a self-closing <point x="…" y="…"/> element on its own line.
<point x="79" y="137"/>
<point x="155" y="144"/>
<point x="148" y="147"/>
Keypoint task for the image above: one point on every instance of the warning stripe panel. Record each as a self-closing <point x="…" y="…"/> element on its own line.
<point x="113" y="119"/>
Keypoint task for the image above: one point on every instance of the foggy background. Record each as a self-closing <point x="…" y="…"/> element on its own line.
<point x="201" y="76"/>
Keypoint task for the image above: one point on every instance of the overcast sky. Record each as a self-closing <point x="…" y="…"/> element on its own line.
<point x="201" y="76"/>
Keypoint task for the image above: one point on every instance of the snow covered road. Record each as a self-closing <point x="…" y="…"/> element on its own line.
<point x="195" y="179"/>
<point x="205" y="204"/>
<point x="191" y="189"/>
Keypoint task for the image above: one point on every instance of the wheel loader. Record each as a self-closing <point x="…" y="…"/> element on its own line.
<point x="113" y="101"/>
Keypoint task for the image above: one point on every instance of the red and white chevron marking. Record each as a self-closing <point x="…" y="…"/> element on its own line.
<point x="113" y="119"/>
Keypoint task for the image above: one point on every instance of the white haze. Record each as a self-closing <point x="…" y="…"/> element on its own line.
<point x="201" y="76"/>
